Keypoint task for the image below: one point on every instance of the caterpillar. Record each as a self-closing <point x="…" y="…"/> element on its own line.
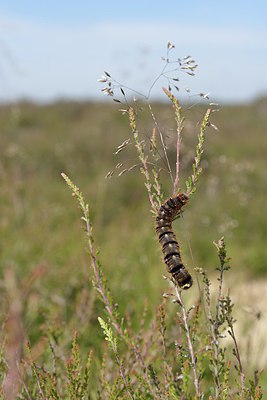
<point x="167" y="239"/>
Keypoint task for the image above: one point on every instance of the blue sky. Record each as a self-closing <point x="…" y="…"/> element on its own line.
<point x="59" y="48"/>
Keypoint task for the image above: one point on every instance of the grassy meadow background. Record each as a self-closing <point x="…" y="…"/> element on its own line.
<point x="42" y="250"/>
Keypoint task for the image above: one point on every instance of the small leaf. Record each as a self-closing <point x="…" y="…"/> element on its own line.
<point x="214" y="127"/>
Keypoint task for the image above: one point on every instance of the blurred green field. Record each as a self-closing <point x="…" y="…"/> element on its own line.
<point x="40" y="222"/>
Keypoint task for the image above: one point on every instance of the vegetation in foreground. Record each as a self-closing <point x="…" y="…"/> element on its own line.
<point x="47" y="294"/>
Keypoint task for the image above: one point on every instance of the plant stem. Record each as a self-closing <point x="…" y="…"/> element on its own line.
<point x="162" y="141"/>
<point x="189" y="342"/>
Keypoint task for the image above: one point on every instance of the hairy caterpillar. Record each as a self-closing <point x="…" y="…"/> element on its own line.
<point x="170" y="247"/>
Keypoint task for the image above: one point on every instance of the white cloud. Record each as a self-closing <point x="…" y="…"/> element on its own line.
<point x="60" y="60"/>
<point x="185" y="33"/>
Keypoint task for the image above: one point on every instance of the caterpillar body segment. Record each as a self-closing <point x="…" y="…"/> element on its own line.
<point x="167" y="239"/>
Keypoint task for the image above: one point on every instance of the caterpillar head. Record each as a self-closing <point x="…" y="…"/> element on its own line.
<point x="187" y="285"/>
<point x="183" y="278"/>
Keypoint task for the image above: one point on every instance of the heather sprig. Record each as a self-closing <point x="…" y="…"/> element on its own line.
<point x="192" y="180"/>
